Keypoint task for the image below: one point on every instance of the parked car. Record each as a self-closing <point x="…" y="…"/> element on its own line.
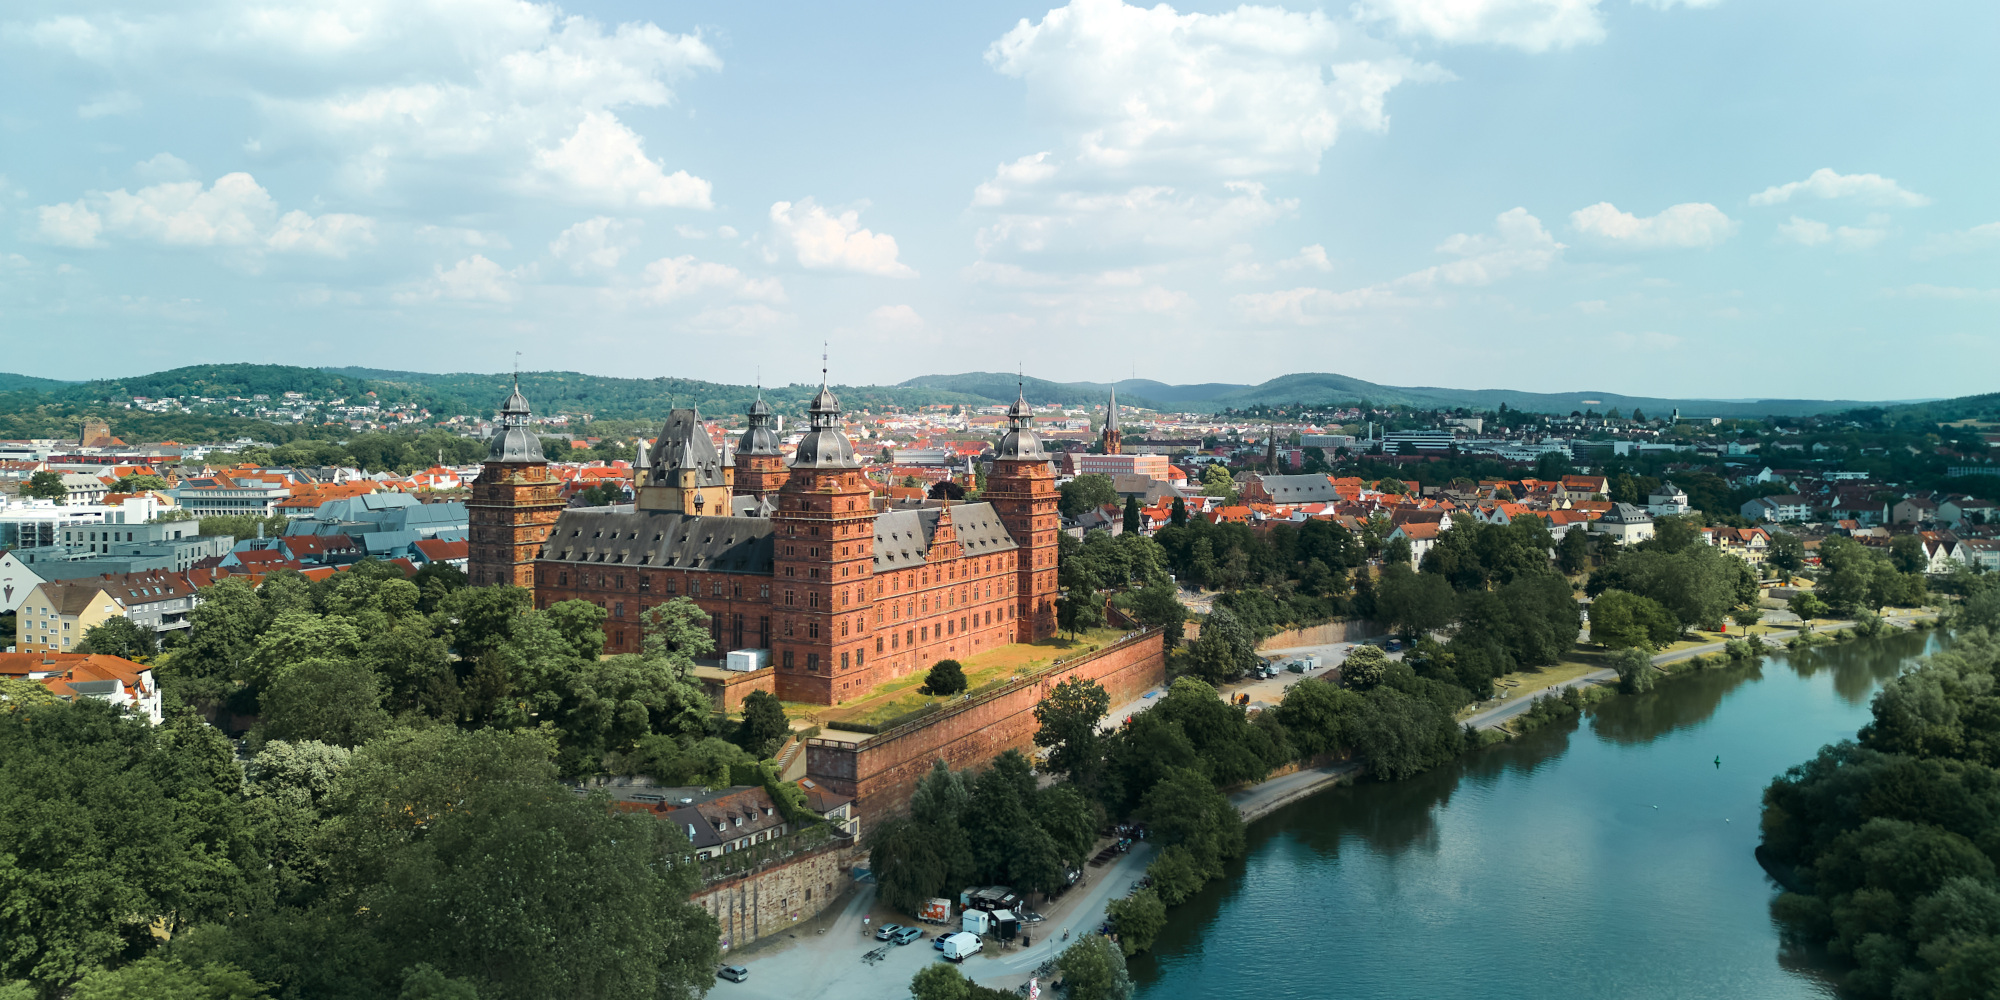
<point x="907" y="935"/>
<point x="733" y="973"/>
<point x="1395" y="646"/>
<point x="884" y="932"/>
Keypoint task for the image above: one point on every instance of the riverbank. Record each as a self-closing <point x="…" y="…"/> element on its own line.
<point x="1657" y="846"/>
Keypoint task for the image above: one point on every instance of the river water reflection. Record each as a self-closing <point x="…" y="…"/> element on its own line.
<point x="1606" y="858"/>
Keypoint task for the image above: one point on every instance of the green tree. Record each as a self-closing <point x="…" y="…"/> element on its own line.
<point x="138" y="484"/>
<point x="946" y="677"/>
<point x="423" y="981"/>
<point x="1412" y="603"/>
<point x="1364" y="668"/>
<point x="1807" y="605"/>
<point x="83" y="790"/>
<point x="1573" y="553"/>
<point x="332" y="701"/>
<point x="1619" y="620"/>
<point x="1131" y="520"/>
<point x="1080" y="611"/>
<point x="119" y="636"/>
<point x="677" y="632"/>
<point x="46" y="486"/>
<point x="1158" y="605"/>
<point x="1225" y="648"/>
<point x="1636" y="673"/>
<point x="938" y="981"/>
<point x="156" y="978"/>
<point x="1787" y="552"/>
<point x="1138" y="918"/>
<point x="1139" y="921"/>
<point x="1094" y="969"/>
<point x="1085" y="493"/>
<point x="1068" y="728"/>
<point x="1176" y="875"/>
<point x="1747" y="616"/>
<point x="764" y="724"/>
<point x="1178" y="516"/>
<point x="1216" y="482"/>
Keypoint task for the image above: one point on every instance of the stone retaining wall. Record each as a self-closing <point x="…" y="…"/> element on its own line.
<point x="1323" y="634"/>
<point x="881" y="772"/>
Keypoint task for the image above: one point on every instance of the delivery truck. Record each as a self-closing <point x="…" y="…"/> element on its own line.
<point x="958" y="946"/>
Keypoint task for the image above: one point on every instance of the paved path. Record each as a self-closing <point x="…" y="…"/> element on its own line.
<point x="1498" y="715"/>
<point x="1266" y="797"/>
<point x="814" y="966"/>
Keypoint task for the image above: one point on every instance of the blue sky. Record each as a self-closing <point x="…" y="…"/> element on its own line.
<point x="1722" y="198"/>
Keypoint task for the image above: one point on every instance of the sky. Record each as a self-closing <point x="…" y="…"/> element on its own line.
<point x="1721" y="198"/>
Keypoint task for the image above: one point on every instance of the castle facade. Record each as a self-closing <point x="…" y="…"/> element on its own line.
<point x="843" y="589"/>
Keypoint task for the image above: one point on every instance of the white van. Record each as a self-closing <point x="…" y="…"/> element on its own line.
<point x="961" y="944"/>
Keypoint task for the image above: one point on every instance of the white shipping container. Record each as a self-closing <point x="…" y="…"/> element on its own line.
<point x="748" y="659"/>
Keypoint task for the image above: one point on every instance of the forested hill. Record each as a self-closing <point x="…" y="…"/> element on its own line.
<point x="40" y="407"/>
<point x="1321" y="389"/>
<point x="607" y="398"/>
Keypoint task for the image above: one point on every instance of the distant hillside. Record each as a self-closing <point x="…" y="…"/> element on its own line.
<point x="18" y="383"/>
<point x="1320" y="389"/>
<point x="55" y="403"/>
<point x="607" y="398"/>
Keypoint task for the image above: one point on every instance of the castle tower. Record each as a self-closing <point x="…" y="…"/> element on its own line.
<point x="514" y="503"/>
<point x="1022" y="489"/>
<point x="824" y="557"/>
<point x="1113" y="438"/>
<point x="685" y="474"/>
<point x="760" y="464"/>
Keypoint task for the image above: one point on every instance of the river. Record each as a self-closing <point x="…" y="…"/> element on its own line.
<point x="1607" y="857"/>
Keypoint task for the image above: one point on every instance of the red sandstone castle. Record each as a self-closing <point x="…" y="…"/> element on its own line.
<point x="804" y="560"/>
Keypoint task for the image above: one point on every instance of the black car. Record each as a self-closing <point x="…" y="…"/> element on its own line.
<point x="733" y="973"/>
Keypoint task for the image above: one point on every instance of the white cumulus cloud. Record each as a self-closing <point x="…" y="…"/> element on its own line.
<point x="492" y="89"/>
<point x="1813" y="233"/>
<point x="1689" y="225"/>
<point x="474" y="279"/>
<point x="604" y="161"/>
<point x="1519" y="244"/>
<point x="1824" y="183"/>
<point x="822" y="240"/>
<point x="235" y="212"/>
<point x="1528" y="25"/>
<point x="1247" y="91"/>
<point x="1152" y="216"/>
<point x="673" y="278"/>
<point x="592" y="245"/>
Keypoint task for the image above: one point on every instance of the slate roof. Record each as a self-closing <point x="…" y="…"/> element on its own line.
<point x="903" y="536"/>
<point x="684" y="445"/>
<point x="661" y="540"/>
<point x="1299" y="489"/>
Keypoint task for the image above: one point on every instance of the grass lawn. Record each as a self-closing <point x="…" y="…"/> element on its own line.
<point x="896" y="697"/>
<point x="1528" y="683"/>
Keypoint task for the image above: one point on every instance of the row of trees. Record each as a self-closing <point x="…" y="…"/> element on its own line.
<point x="431" y="863"/>
<point x="344" y="659"/>
<point x="1889" y="844"/>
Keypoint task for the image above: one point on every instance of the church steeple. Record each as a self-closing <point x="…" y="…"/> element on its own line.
<point x="1113" y="438"/>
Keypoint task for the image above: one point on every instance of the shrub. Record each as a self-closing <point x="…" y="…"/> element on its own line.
<point x="947" y="677"/>
<point x="1635" y="670"/>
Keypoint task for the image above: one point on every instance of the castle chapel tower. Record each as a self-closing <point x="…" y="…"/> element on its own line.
<point x="514" y="503"/>
<point x="1022" y="489"/>
<point x="823" y="535"/>
<point x="685" y="474"/>
<point x="760" y="463"/>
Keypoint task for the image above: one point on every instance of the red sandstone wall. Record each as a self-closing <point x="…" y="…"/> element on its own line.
<point x="882" y="772"/>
